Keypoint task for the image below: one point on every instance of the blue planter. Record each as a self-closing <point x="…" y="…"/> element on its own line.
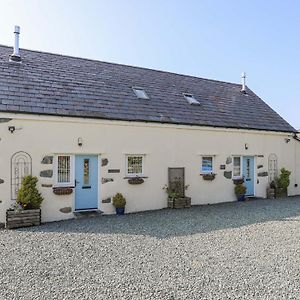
<point x="241" y="198"/>
<point x="120" y="210"/>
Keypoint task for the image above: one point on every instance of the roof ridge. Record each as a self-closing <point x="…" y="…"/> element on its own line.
<point x="125" y="65"/>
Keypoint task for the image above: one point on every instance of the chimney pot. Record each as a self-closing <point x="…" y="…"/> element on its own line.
<point x="243" y="90"/>
<point x="16" y="57"/>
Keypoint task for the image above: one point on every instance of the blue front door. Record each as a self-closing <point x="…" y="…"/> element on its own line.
<point x="86" y="179"/>
<point x="248" y="174"/>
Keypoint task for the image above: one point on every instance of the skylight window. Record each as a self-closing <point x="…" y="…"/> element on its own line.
<point x="140" y="93"/>
<point x="191" y="99"/>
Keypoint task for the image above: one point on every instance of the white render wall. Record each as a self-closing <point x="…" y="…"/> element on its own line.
<point x="163" y="145"/>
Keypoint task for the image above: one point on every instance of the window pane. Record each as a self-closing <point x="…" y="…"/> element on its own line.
<point x="191" y="100"/>
<point x="135" y="165"/>
<point x="207" y="166"/>
<point x="63" y="169"/>
<point x="86" y="172"/>
<point x="140" y="93"/>
<point x="236" y="166"/>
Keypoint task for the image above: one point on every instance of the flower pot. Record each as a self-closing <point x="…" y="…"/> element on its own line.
<point x="209" y="177"/>
<point x="281" y="193"/>
<point x="241" y="198"/>
<point x="23" y="218"/>
<point x="120" y="210"/>
<point x="180" y="202"/>
<point x="270" y="193"/>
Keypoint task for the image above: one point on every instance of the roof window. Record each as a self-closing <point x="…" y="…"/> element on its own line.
<point x="190" y="99"/>
<point x="140" y="93"/>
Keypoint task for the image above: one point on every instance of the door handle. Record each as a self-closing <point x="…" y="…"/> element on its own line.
<point x="75" y="183"/>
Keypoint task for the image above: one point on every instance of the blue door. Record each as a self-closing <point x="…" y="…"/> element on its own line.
<point x="248" y="174"/>
<point x="86" y="180"/>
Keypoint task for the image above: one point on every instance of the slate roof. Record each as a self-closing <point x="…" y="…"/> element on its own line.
<point x="53" y="84"/>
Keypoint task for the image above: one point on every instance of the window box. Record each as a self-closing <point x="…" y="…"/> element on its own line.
<point x="209" y="177"/>
<point x="238" y="180"/>
<point x="135" y="180"/>
<point x="62" y="190"/>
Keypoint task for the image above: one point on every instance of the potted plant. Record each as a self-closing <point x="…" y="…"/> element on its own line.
<point x="240" y="191"/>
<point x="176" y="197"/>
<point x="119" y="203"/>
<point x="26" y="211"/>
<point x="209" y="176"/>
<point x="271" y="190"/>
<point x="282" y="183"/>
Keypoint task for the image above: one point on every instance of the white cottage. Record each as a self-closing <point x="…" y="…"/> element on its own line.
<point x="86" y="127"/>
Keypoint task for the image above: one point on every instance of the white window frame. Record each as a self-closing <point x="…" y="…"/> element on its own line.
<point x="71" y="183"/>
<point x="136" y="88"/>
<point x="241" y="167"/>
<point x="212" y="162"/>
<point x="191" y="99"/>
<point x="143" y="165"/>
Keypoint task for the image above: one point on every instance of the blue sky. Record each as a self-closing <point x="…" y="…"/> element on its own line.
<point x="211" y="39"/>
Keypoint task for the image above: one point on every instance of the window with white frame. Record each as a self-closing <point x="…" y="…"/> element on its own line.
<point x="207" y="165"/>
<point x="140" y="93"/>
<point x="63" y="171"/>
<point x="135" y="165"/>
<point x="191" y="99"/>
<point x="237" y="170"/>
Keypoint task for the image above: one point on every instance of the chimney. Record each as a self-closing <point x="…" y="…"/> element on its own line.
<point x="16" y="54"/>
<point x="243" y="90"/>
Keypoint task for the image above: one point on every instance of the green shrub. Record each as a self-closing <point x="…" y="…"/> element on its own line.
<point x="119" y="201"/>
<point x="240" y="189"/>
<point x="283" y="181"/>
<point x="28" y="195"/>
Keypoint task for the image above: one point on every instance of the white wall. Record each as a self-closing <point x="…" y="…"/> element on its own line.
<point x="164" y="146"/>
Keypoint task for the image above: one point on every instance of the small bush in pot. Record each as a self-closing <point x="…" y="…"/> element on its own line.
<point x="28" y="195"/>
<point x="282" y="183"/>
<point x="119" y="203"/>
<point x="240" y="191"/>
<point x="271" y="190"/>
<point x="26" y="211"/>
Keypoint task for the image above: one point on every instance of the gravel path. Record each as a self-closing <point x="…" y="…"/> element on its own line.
<point x="247" y="250"/>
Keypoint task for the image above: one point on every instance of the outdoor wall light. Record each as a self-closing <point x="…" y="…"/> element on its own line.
<point x="246" y="146"/>
<point x="79" y="141"/>
<point x="287" y="140"/>
<point x="11" y="129"/>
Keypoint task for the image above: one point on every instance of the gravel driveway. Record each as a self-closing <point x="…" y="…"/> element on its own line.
<point x="247" y="250"/>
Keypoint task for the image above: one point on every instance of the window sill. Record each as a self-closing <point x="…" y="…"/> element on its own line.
<point x="136" y="176"/>
<point x="64" y="186"/>
<point x="209" y="173"/>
